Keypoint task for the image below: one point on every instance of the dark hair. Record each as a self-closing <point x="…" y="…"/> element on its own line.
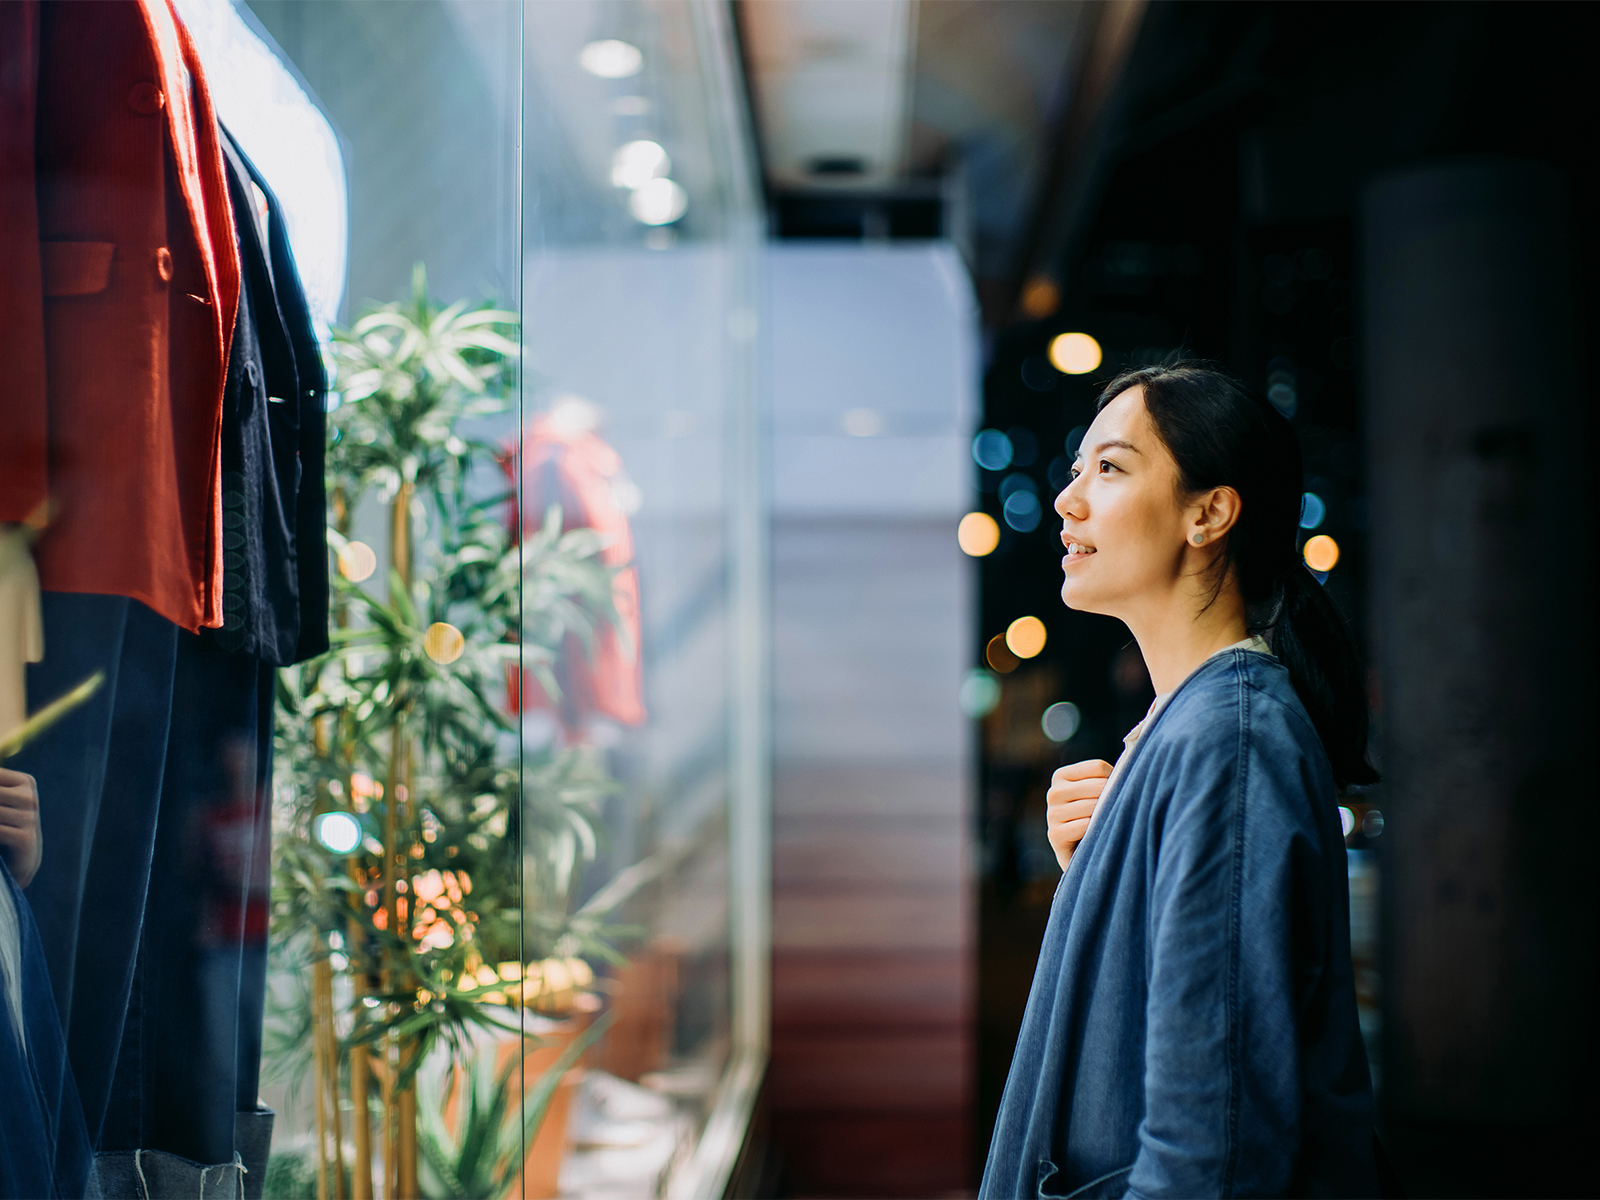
<point x="1223" y="435"/>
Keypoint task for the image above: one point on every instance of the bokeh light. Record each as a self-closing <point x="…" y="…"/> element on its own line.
<point x="1372" y="823"/>
<point x="1040" y="297"/>
<point x="1024" y="447"/>
<point x="338" y="832"/>
<point x="1022" y="511"/>
<point x="978" y="534"/>
<point x="1321" y="553"/>
<point x="862" y="422"/>
<point x="443" y="642"/>
<point x="998" y="655"/>
<point x="1061" y="721"/>
<point x="991" y="450"/>
<point x="659" y="202"/>
<point x="980" y="692"/>
<point x="1015" y="482"/>
<point x="1312" y="510"/>
<point x="637" y="163"/>
<point x="1075" y="353"/>
<point x="1059" y="472"/>
<point x="1281" y="380"/>
<point x="1347" y="819"/>
<point x="1025" y="636"/>
<point x="357" y="561"/>
<point x="611" y="59"/>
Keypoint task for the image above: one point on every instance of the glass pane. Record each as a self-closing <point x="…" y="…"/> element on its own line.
<point x="394" y="1040"/>
<point x="640" y="325"/>
<point x="381" y="667"/>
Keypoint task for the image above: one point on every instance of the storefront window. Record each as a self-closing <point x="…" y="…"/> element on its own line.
<point x="640" y="324"/>
<point x="385" y="667"/>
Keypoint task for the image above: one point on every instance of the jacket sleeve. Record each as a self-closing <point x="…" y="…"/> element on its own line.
<point x="1222" y="1073"/>
<point x="23" y="446"/>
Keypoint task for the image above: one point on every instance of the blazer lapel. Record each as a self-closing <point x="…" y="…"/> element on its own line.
<point x="192" y="123"/>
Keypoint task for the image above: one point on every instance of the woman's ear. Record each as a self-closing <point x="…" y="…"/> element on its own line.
<point x="1212" y="514"/>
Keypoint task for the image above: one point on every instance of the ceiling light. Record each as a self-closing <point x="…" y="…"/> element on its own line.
<point x="659" y="202"/>
<point x="611" y="59"/>
<point x="637" y="163"/>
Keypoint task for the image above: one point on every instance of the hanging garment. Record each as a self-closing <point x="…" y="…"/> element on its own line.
<point x="190" y="1054"/>
<point x="119" y="277"/>
<point x="44" y="1149"/>
<point x="174" y="830"/>
<point x="573" y="467"/>
<point x="275" y="535"/>
<point x="189" y="1063"/>
<point x="99" y="773"/>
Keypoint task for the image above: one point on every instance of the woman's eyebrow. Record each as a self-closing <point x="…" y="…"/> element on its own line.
<point x="1111" y="445"/>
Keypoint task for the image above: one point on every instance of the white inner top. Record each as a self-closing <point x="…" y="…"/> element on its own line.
<point x="1254" y="642"/>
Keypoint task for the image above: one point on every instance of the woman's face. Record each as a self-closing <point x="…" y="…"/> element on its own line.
<point x="1123" y="524"/>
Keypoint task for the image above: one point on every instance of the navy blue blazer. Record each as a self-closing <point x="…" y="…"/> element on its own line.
<point x="274" y="431"/>
<point x="1192" y="1026"/>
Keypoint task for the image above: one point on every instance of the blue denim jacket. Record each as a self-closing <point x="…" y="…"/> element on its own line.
<point x="1192" y="1026"/>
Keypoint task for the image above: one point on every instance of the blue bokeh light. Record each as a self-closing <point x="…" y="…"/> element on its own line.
<point x="1059" y="472"/>
<point x="1024" y="447"/>
<point x="980" y="692"/>
<point x="1312" y="510"/>
<point x="991" y="450"/>
<point x="1022" y="511"/>
<point x="1015" y="482"/>
<point x="338" y="831"/>
<point x="1061" y="721"/>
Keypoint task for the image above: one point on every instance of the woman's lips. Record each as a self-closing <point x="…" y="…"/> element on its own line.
<point x="1069" y="558"/>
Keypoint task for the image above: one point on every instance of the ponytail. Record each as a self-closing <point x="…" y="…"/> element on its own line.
<point x="1222" y="435"/>
<point x="1309" y="638"/>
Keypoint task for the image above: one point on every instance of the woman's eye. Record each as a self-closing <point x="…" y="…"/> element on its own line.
<point x="1107" y="466"/>
<point x="1073" y="474"/>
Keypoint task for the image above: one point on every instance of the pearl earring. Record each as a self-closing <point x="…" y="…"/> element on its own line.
<point x="1199" y="539"/>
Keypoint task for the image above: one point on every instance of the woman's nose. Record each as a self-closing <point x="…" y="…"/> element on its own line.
<point x="1068" y="503"/>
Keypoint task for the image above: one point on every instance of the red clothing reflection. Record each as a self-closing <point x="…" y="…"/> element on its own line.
<point x="563" y="461"/>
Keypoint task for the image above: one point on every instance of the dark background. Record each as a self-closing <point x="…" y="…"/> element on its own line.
<point x="1229" y="206"/>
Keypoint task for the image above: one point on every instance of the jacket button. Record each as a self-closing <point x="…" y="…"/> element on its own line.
<point x="164" y="264"/>
<point x="146" y="98"/>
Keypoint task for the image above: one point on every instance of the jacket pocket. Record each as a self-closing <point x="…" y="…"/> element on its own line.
<point x="1108" y="1186"/>
<point x="76" y="268"/>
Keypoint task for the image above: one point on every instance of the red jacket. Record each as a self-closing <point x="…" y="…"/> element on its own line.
<point x="119" y="281"/>
<point x="574" y="468"/>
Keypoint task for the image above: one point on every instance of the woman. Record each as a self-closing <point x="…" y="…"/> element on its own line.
<point x="1192" y="1027"/>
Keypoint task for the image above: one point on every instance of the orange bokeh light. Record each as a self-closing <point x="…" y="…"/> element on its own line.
<point x="1025" y="636"/>
<point x="978" y="534"/>
<point x="1075" y="353"/>
<point x="1321" y="553"/>
<point x="999" y="657"/>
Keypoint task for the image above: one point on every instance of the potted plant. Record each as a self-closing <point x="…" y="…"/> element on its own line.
<point x="421" y="851"/>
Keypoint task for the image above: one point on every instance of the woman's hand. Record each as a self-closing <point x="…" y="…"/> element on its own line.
<point x="1073" y="796"/>
<point x="20" y="841"/>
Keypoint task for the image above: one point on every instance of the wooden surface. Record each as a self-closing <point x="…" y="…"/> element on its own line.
<point x="871" y="1073"/>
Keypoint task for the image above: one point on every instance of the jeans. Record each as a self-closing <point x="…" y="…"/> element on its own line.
<point x="99" y="774"/>
<point x="191" y="1048"/>
<point x="151" y="899"/>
